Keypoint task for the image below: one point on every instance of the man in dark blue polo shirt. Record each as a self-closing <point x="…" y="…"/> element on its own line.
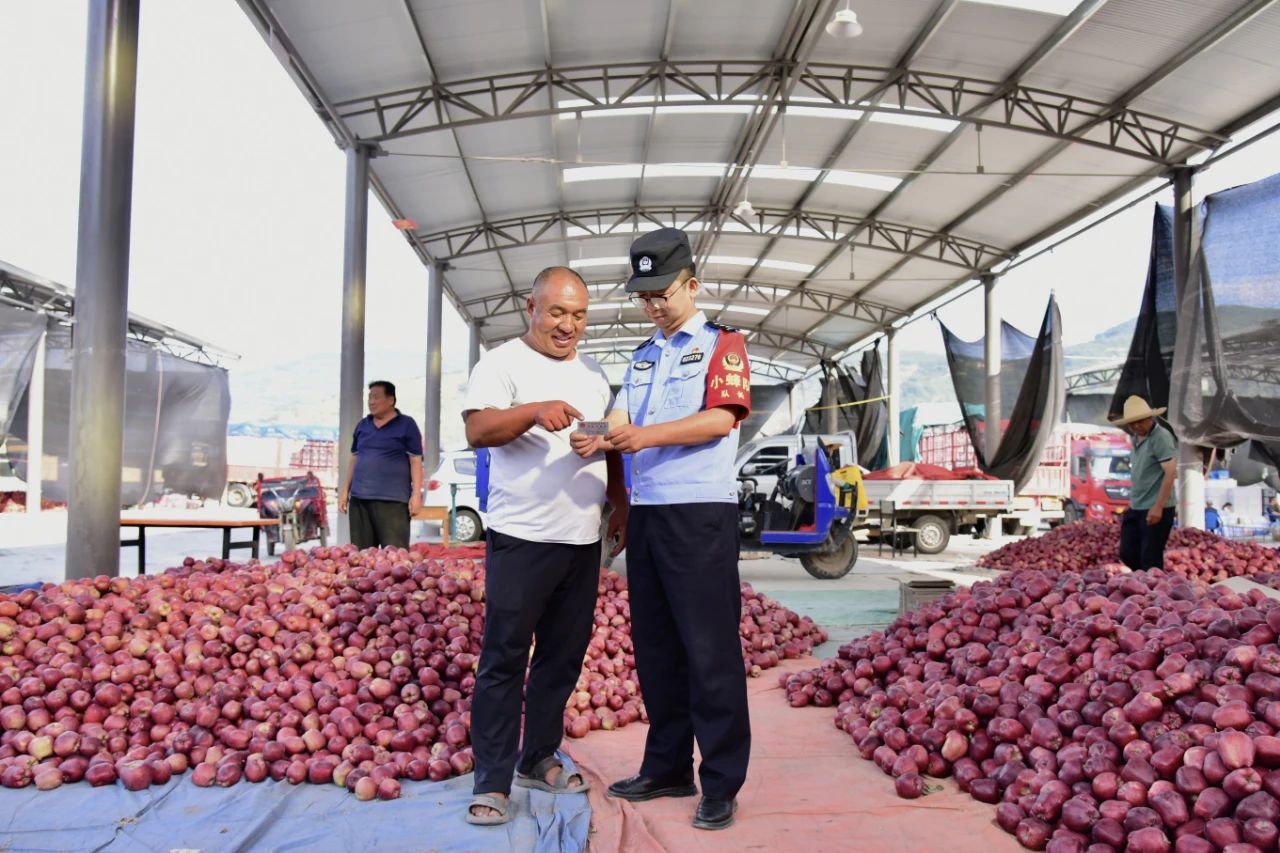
<point x="383" y="487"/>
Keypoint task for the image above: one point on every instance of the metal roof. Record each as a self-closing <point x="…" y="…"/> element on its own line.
<point x="885" y="171"/>
<point x="31" y="292"/>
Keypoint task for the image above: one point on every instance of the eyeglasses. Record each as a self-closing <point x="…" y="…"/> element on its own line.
<point x="655" y="301"/>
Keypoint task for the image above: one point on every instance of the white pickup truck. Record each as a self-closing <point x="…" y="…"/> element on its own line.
<point x="938" y="508"/>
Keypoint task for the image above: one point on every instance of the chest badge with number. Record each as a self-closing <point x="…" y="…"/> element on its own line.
<point x="691" y="358"/>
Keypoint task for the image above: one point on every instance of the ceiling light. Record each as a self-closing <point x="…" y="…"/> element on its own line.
<point x="744" y="210"/>
<point x="844" y="24"/>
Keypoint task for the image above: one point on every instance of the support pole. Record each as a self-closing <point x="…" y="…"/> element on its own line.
<point x="473" y="353"/>
<point x="992" y="409"/>
<point x="830" y="396"/>
<point x="894" y="389"/>
<point x="351" y="392"/>
<point x="35" y="428"/>
<point x="431" y="425"/>
<point x="102" y="290"/>
<point x="1186" y="246"/>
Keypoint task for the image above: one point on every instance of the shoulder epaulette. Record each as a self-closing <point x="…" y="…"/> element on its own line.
<point x="722" y="328"/>
<point x="645" y="344"/>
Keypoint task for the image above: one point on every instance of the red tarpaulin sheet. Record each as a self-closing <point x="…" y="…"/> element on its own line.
<point x="807" y="789"/>
<point x="925" y="471"/>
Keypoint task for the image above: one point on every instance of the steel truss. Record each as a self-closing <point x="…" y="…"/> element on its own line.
<point x="592" y="88"/>
<point x="549" y="227"/>
<point x="59" y="303"/>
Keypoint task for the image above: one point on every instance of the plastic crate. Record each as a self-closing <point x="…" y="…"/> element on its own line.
<point x="920" y="592"/>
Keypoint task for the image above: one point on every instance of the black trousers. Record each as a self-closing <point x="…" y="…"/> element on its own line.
<point x="1142" y="544"/>
<point x="533" y="590"/>
<point x="686" y="603"/>
<point x="378" y="524"/>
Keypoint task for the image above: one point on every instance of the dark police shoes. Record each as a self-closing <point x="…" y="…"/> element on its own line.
<point x="640" y="788"/>
<point x="714" y="814"/>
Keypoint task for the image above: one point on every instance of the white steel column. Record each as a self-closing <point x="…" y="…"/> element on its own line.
<point x="35" y="428"/>
<point x="431" y="425"/>
<point x="991" y="341"/>
<point x="473" y="352"/>
<point x="1186" y="246"/>
<point x="102" y="290"/>
<point x="351" y="391"/>
<point x="894" y="389"/>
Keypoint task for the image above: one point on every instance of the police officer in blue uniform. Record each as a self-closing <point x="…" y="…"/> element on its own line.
<point x="686" y="390"/>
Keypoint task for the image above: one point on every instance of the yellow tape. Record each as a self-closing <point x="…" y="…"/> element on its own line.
<point x="847" y="405"/>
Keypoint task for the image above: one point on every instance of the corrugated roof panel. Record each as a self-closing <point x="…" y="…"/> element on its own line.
<point x="1123" y="42"/>
<point x="986" y="42"/>
<point x="745" y="29"/>
<point x="354" y="50"/>
<point x="474" y="38"/>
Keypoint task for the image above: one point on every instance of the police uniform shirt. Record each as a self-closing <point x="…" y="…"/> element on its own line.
<point x="701" y="366"/>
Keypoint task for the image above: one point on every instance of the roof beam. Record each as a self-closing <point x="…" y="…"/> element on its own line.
<point x="1216" y="34"/>
<point x="444" y="106"/>
<point x="1063" y="31"/>
<point x="773" y="223"/>
<point x="793" y="50"/>
<point x="939" y="15"/>
<point x="668" y="35"/>
<point x="457" y="143"/>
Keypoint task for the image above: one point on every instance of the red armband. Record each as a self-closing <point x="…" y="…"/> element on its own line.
<point x="729" y="376"/>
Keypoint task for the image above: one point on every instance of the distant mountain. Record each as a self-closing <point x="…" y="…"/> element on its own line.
<point x="305" y="391"/>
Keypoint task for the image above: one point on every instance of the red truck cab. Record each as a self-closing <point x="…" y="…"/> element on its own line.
<point x="1099" y="475"/>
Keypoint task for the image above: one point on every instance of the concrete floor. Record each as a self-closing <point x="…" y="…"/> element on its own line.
<point x="32" y="549"/>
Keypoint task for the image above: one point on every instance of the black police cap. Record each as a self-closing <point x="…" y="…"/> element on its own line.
<point x="657" y="259"/>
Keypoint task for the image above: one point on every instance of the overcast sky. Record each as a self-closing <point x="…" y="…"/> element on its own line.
<point x="238" y="198"/>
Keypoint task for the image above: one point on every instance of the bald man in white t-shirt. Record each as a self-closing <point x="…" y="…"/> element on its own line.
<point x="542" y="561"/>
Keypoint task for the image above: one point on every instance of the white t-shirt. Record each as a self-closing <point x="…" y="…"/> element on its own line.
<point x="539" y="489"/>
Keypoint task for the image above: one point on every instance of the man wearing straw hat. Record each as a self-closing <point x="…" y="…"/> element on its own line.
<point x="1153" y="469"/>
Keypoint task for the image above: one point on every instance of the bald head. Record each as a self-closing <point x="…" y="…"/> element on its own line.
<point x="557" y="312"/>
<point x="552" y="281"/>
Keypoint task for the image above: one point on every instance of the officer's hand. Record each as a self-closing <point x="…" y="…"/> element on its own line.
<point x="585" y="445"/>
<point x="628" y="438"/>
<point x="555" y="415"/>
<point x="1155" y="516"/>
<point x="617" y="531"/>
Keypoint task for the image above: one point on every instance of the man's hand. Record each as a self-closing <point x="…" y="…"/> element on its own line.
<point x="1155" y="515"/>
<point x="415" y="504"/>
<point x="628" y="438"/>
<point x="555" y="415"/>
<point x="344" y="501"/>
<point x="617" y="529"/>
<point x="586" y="445"/>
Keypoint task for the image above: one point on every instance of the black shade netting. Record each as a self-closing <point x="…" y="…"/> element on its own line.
<point x="868" y="420"/>
<point x="1211" y="352"/>
<point x="1032" y="394"/>
<point x="175" y="425"/>
<point x="20" y="332"/>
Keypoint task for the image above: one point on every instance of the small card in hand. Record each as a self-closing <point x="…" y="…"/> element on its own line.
<point x="593" y="427"/>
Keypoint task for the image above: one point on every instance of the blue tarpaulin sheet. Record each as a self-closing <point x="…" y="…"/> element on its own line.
<point x="277" y="816"/>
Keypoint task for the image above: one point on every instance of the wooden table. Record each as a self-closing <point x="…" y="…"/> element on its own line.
<point x="225" y="525"/>
<point x="436" y="513"/>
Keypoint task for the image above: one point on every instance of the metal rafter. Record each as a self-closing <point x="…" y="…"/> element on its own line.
<point x="457" y="143"/>
<point x="1216" y="34"/>
<point x="58" y="302"/>
<point x="594" y="88"/>
<point x="278" y="41"/>
<point x="794" y="49"/>
<point x="773" y="223"/>
<point x="1063" y="31"/>
<point x="667" y="36"/>
<point x="759" y="294"/>
<point x="939" y="15"/>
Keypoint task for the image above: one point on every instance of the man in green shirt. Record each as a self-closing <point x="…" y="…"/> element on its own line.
<point x="1153" y="468"/>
